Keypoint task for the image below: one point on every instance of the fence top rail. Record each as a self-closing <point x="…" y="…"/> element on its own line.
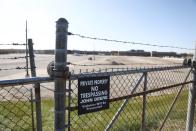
<point x="25" y="81"/>
<point x="124" y="72"/>
<point x="33" y="80"/>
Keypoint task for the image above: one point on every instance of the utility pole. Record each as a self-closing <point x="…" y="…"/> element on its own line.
<point x="27" y="63"/>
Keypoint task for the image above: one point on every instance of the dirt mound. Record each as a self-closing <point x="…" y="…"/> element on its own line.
<point x="116" y="63"/>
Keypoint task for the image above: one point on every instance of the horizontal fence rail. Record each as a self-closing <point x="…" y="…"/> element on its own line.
<point x="25" y="81"/>
<point x="124" y="71"/>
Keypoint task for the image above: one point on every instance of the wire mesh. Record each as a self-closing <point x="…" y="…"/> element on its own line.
<point x="15" y="108"/>
<point x="163" y="84"/>
<point x="162" y="87"/>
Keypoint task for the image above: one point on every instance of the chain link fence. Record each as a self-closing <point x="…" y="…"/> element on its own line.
<point x="17" y="104"/>
<point x="16" y="108"/>
<point x="140" y="99"/>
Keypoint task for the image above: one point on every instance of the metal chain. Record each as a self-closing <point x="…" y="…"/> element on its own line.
<point x="128" y="42"/>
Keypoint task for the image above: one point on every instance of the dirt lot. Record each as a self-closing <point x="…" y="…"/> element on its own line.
<point x="100" y="62"/>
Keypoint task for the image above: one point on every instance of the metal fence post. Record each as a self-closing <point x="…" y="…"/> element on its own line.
<point x="36" y="86"/>
<point x="144" y="103"/>
<point x="191" y="104"/>
<point x="191" y="101"/>
<point x="32" y="111"/>
<point x="60" y="73"/>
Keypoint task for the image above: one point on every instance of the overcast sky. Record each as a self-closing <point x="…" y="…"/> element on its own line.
<point x="162" y="22"/>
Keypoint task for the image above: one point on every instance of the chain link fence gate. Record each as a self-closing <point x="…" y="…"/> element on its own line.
<point x="140" y="99"/>
<point x="17" y="103"/>
<point x="148" y="99"/>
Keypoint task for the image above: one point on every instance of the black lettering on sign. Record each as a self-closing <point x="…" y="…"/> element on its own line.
<point x="93" y="94"/>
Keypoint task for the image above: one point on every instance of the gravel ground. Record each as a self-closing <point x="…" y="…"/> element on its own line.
<point x="100" y="62"/>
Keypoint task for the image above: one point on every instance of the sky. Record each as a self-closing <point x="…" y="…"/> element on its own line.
<point x="161" y="22"/>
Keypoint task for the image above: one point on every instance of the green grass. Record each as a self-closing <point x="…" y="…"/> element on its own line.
<point x="48" y="114"/>
<point x="15" y="115"/>
<point x="129" y="120"/>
